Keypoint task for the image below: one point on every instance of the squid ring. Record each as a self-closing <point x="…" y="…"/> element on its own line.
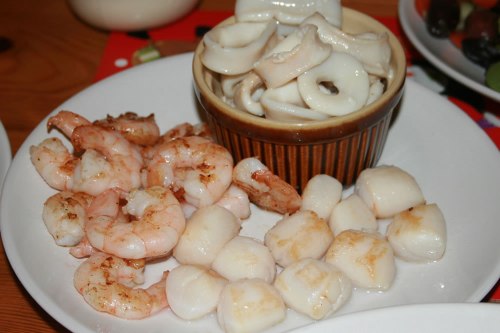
<point x="346" y="74"/>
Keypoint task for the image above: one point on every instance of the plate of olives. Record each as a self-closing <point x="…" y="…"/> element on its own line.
<point x="460" y="37"/>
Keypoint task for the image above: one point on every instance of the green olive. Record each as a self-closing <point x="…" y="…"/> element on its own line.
<point x="493" y="76"/>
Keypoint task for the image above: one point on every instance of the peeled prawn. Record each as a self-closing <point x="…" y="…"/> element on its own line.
<point x="67" y="121"/>
<point x="186" y="129"/>
<point x="158" y="224"/>
<point x="83" y="249"/>
<point x="139" y="130"/>
<point x="123" y="160"/>
<point x="196" y="169"/>
<point x="54" y="163"/>
<point x="106" y="283"/>
<point x="108" y="161"/>
<point x="64" y="215"/>
<point x="264" y="188"/>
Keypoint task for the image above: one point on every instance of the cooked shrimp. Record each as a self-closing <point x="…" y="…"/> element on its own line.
<point x="64" y="215"/>
<point x="139" y="130"/>
<point x="158" y="224"/>
<point x="197" y="170"/>
<point x="109" y="161"/>
<point x="236" y="201"/>
<point x="187" y="129"/>
<point x="67" y="121"/>
<point x="83" y="249"/>
<point x="264" y="188"/>
<point x="54" y="163"/>
<point x="106" y="283"/>
<point x="119" y="165"/>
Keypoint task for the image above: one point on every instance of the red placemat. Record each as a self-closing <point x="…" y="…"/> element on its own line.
<point x="125" y="50"/>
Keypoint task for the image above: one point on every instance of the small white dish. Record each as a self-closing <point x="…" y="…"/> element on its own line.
<point x="442" y="53"/>
<point x="130" y="15"/>
<point x="454" y="162"/>
<point x="420" y="318"/>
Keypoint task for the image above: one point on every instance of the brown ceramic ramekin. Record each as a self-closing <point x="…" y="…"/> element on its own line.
<point x="339" y="146"/>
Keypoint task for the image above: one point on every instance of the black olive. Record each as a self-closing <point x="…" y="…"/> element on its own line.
<point x="442" y="17"/>
<point x="481" y="51"/>
<point x="481" y="23"/>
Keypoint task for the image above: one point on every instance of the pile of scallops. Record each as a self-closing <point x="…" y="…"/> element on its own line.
<point x="311" y="259"/>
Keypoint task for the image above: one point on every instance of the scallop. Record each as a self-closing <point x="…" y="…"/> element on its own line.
<point x="418" y="234"/>
<point x="206" y="233"/>
<point x="388" y="190"/>
<point x="321" y="193"/>
<point x="366" y="258"/>
<point x="298" y="236"/>
<point x="314" y="288"/>
<point x="245" y="257"/>
<point x="193" y="291"/>
<point x="249" y="305"/>
<point x="352" y="213"/>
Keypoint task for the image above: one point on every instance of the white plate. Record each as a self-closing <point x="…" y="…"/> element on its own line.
<point x="455" y="163"/>
<point x="442" y="53"/>
<point x="5" y="153"/>
<point x="428" y="318"/>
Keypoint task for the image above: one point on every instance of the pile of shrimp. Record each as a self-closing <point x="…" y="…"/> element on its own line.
<point x="128" y="195"/>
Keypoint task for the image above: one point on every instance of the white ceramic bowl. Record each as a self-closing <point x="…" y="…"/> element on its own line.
<point x="130" y="15"/>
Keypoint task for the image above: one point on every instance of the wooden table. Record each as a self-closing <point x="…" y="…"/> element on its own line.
<point x="46" y="56"/>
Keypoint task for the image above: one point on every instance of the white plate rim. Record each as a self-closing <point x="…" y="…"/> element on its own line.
<point x="51" y="307"/>
<point x="414" y="28"/>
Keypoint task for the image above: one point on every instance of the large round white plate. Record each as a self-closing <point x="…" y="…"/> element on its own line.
<point x="442" y="53"/>
<point x="428" y="318"/>
<point x="5" y="153"/>
<point x="452" y="159"/>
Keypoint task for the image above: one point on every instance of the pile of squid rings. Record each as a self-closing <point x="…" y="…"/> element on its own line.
<point x="291" y="61"/>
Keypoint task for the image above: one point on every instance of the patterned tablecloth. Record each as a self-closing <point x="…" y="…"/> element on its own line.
<point x="125" y="50"/>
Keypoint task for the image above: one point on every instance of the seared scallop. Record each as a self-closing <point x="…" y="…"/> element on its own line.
<point x="206" y="233"/>
<point x="365" y="257"/>
<point x="388" y="190"/>
<point x="321" y="194"/>
<point x="418" y="234"/>
<point x="244" y="257"/>
<point x="298" y="236"/>
<point x="193" y="291"/>
<point x="352" y="213"/>
<point x="249" y="305"/>
<point x="313" y="287"/>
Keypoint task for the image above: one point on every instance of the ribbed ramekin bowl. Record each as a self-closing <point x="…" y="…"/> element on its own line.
<point x="339" y="146"/>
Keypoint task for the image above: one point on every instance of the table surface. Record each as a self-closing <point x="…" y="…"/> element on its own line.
<point x="46" y="56"/>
